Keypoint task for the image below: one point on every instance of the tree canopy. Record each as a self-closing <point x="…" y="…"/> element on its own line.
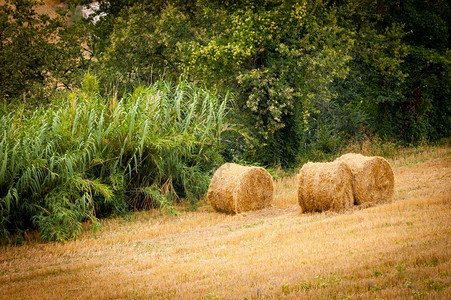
<point x="305" y="74"/>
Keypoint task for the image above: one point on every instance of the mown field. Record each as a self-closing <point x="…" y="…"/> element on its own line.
<point x="396" y="250"/>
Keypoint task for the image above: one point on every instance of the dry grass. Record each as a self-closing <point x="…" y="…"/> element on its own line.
<point x="396" y="250"/>
<point x="48" y="7"/>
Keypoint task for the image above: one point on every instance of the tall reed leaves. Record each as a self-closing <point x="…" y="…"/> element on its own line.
<point x="86" y="157"/>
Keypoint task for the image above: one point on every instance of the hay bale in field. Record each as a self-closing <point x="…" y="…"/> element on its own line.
<point x="235" y="188"/>
<point x="374" y="180"/>
<point x="325" y="186"/>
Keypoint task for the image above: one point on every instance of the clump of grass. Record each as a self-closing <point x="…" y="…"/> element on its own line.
<point x="86" y="157"/>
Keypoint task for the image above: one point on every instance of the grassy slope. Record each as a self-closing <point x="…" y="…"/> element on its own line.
<point x="402" y="249"/>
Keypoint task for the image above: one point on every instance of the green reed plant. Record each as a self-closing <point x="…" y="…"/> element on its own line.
<point x="85" y="157"/>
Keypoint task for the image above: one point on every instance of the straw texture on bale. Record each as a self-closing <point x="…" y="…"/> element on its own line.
<point x="374" y="180"/>
<point x="325" y="186"/>
<point x="235" y="189"/>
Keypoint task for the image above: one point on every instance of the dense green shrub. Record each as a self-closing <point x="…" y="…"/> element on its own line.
<point x="85" y="156"/>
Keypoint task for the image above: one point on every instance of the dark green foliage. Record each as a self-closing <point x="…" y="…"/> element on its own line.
<point x="278" y="57"/>
<point x="374" y="85"/>
<point x="37" y="53"/>
<point x="307" y="75"/>
<point x="400" y="72"/>
<point x="144" y="46"/>
<point x="427" y="112"/>
<point x="86" y="156"/>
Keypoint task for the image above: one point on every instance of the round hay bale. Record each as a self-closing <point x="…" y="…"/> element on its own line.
<point x="325" y="186"/>
<point x="374" y="181"/>
<point x="235" y="189"/>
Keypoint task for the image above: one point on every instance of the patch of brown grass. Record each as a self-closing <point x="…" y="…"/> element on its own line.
<point x="48" y="7"/>
<point x="396" y="250"/>
<point x="285" y="191"/>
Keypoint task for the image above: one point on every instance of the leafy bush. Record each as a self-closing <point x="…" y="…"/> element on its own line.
<point x="85" y="156"/>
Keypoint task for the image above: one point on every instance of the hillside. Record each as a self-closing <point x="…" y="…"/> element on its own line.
<point x="396" y="250"/>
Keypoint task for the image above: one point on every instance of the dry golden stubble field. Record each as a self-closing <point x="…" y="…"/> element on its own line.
<point x="396" y="250"/>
